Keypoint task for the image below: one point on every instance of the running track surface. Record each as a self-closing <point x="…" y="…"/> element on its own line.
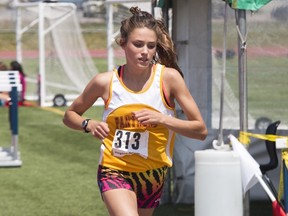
<point x="34" y="54"/>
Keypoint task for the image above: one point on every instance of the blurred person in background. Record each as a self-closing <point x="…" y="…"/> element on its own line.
<point x="3" y="66"/>
<point x="16" y="66"/>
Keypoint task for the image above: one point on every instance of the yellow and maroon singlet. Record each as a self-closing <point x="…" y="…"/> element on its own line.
<point x="131" y="146"/>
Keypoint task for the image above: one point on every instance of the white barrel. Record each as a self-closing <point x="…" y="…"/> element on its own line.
<point x="218" y="189"/>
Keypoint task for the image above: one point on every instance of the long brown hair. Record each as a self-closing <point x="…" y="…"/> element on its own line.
<point x="15" y="65"/>
<point x="165" y="52"/>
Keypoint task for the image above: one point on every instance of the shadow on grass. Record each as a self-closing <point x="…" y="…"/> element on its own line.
<point x="257" y="208"/>
<point x="174" y="209"/>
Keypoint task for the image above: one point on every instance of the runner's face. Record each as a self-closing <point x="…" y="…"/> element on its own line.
<point x="140" y="47"/>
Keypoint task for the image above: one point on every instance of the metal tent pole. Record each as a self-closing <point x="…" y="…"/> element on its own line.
<point x="242" y="71"/>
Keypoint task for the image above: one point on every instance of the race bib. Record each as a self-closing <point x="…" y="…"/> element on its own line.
<point x="128" y="142"/>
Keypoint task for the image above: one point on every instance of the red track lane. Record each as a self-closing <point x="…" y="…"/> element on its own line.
<point x="34" y="54"/>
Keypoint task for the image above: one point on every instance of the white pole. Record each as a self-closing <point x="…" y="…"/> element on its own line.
<point x="18" y="34"/>
<point x="41" y="38"/>
<point x="109" y="18"/>
<point x="267" y="190"/>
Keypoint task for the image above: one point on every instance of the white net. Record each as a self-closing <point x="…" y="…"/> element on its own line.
<point x="64" y="64"/>
<point x="118" y="11"/>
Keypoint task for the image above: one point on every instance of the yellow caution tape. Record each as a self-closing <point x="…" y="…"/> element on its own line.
<point x="281" y="185"/>
<point x="285" y="157"/>
<point x="244" y="137"/>
<point x="281" y="179"/>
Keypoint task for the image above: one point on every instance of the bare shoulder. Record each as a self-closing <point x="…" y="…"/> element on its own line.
<point x="102" y="79"/>
<point x="173" y="82"/>
<point x="172" y="76"/>
<point x="99" y="85"/>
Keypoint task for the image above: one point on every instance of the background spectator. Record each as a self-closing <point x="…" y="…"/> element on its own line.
<point x="16" y="66"/>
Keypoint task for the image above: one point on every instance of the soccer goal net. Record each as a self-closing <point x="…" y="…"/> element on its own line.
<point x="51" y="47"/>
<point x="116" y="11"/>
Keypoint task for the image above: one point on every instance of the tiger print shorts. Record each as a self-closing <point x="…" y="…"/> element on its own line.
<point x="147" y="185"/>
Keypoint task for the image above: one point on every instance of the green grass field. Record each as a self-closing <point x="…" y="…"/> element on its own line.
<point x="58" y="175"/>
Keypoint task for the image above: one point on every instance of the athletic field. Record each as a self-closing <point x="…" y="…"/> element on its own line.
<point x="58" y="175"/>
